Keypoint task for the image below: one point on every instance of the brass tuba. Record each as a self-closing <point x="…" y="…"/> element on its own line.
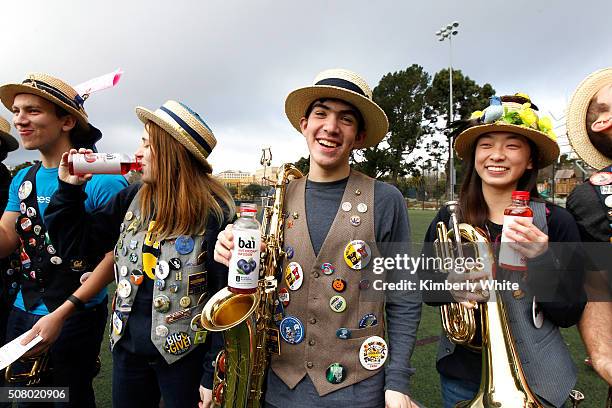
<point x="39" y="370"/>
<point x="502" y="383"/>
<point x="250" y="335"/>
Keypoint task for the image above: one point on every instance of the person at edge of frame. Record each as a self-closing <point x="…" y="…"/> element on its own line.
<point x="9" y="266"/>
<point x="589" y="125"/>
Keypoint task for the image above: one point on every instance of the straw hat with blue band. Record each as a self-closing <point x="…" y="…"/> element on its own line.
<point x="346" y="86"/>
<point x="7" y="142"/>
<point x="60" y="93"/>
<point x="184" y="125"/>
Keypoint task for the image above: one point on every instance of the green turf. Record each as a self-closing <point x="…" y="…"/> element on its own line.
<point x="425" y="383"/>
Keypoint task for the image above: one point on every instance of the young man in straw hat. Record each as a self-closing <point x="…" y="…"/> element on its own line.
<point x="333" y="347"/>
<point x="589" y="126"/>
<point x="50" y="117"/>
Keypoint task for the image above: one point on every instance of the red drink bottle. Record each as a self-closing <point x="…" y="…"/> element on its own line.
<point x="103" y="163"/>
<point x="510" y="258"/>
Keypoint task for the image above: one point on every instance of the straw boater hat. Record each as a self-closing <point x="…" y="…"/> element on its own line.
<point x="576" y="118"/>
<point x="184" y="125"/>
<point x="519" y="117"/>
<point x="60" y="93"/>
<point x="7" y="142"/>
<point x="346" y="86"/>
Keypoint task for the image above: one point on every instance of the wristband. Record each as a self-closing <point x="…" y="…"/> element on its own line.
<point x="78" y="303"/>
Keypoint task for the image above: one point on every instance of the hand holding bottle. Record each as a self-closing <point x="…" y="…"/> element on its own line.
<point x="63" y="171"/>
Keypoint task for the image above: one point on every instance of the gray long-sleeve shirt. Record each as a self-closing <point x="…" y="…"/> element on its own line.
<point x="402" y="314"/>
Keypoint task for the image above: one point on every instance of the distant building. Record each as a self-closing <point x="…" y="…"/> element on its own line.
<point x="235" y="180"/>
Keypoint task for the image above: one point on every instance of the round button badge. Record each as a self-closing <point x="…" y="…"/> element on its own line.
<point x="124" y="288"/>
<point x="292" y="330"/>
<point x="328" y="268"/>
<point x="24" y="190"/>
<point x="373" y="353"/>
<point x="294" y="276"/>
<point x="337" y="304"/>
<point x="357" y="254"/>
<point x="162" y="270"/>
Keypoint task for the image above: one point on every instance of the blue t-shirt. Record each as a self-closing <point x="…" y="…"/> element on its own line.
<point x="99" y="190"/>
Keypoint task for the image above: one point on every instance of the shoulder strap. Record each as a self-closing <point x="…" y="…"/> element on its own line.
<point x="539" y="215"/>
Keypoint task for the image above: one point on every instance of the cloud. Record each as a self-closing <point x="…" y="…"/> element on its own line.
<point x="235" y="61"/>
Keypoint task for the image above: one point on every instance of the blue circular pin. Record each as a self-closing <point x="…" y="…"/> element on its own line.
<point x="292" y="330"/>
<point x="184" y="244"/>
<point x="368" y="320"/>
<point x="290" y="252"/>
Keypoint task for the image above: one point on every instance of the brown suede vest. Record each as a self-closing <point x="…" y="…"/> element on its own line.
<point x="311" y="302"/>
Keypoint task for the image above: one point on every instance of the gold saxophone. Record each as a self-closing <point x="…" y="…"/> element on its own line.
<point x="250" y="334"/>
<point x="502" y="383"/>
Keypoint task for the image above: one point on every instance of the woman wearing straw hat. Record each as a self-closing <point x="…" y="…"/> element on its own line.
<point x="162" y="231"/>
<point x="589" y="129"/>
<point x="50" y="117"/>
<point x="502" y="156"/>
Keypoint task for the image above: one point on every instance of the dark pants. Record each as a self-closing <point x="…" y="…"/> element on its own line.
<point x="139" y="381"/>
<point x="72" y="357"/>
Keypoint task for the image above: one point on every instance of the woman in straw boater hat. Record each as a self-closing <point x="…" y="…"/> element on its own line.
<point x="589" y="127"/>
<point x="335" y="319"/>
<point x="50" y="117"/>
<point x="162" y="231"/>
<point x="503" y="148"/>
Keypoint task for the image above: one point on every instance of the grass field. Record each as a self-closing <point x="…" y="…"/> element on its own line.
<point x="425" y="383"/>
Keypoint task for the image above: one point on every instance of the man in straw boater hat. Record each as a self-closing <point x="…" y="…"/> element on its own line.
<point x="333" y="347"/>
<point x="50" y="117"/>
<point x="589" y="127"/>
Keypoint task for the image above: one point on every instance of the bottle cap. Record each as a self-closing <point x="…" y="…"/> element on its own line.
<point x="248" y="208"/>
<point x="520" y="195"/>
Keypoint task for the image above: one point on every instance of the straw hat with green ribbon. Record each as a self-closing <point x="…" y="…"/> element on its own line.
<point x="520" y="117"/>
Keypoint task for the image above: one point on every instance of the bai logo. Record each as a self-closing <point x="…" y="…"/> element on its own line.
<point x="248" y="244"/>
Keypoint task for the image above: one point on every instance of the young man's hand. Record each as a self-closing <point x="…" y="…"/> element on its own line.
<point x="395" y="399"/>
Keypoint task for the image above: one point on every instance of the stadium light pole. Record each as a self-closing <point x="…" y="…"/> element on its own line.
<point x="446" y="33"/>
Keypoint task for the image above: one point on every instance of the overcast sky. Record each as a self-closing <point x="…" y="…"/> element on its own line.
<point x="235" y="61"/>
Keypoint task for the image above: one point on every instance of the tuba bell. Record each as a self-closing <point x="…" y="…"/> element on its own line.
<point x="249" y="333"/>
<point x="39" y="370"/>
<point x="502" y="383"/>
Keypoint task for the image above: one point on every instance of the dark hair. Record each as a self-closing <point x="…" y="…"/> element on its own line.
<point x="360" y="121"/>
<point x="474" y="209"/>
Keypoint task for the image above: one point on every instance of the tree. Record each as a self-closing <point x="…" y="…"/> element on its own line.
<point x="468" y="97"/>
<point x="21" y="166"/>
<point x="401" y="95"/>
<point x="252" y="191"/>
<point x="303" y="164"/>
